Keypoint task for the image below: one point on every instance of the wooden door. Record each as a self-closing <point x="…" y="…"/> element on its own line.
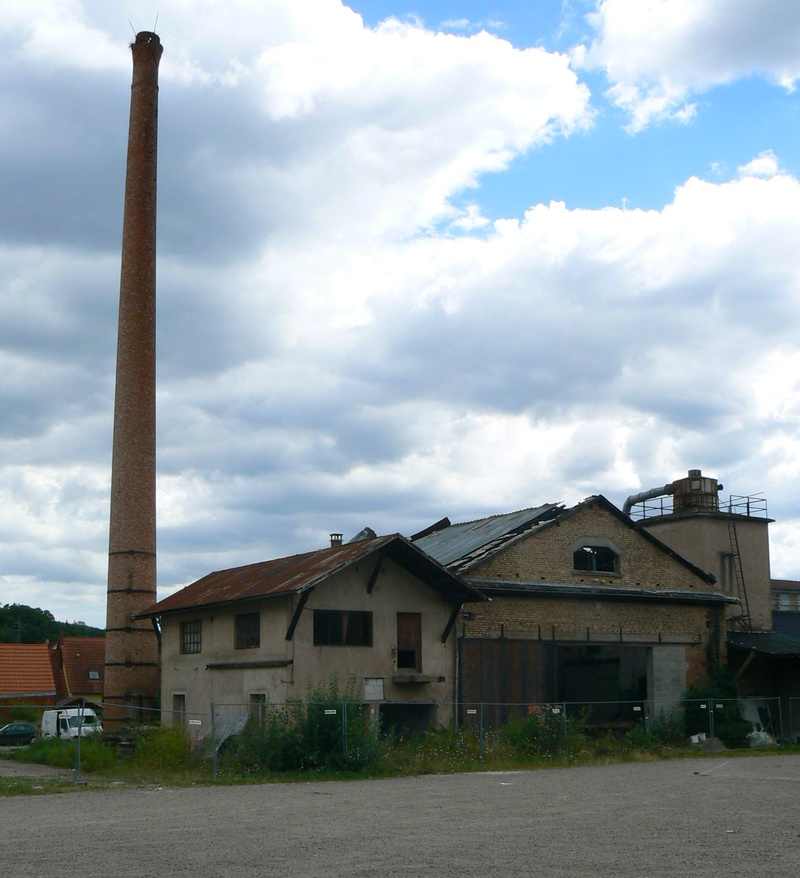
<point x="409" y="641"/>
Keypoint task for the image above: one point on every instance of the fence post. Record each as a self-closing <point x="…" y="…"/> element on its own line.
<point x="213" y="741"/>
<point x="344" y="726"/>
<point x="566" y="731"/>
<point x="780" y="719"/>
<point x="710" y="719"/>
<point x="646" y="721"/>
<point x="80" y="730"/>
<point x="480" y="753"/>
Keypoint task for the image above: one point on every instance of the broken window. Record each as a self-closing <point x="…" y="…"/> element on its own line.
<point x="342" y="628"/>
<point x="409" y="641"/>
<point x="191" y="637"/>
<point x="248" y="631"/>
<point x="595" y="559"/>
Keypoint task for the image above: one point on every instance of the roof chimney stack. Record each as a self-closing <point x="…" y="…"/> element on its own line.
<point x="336" y="541"/>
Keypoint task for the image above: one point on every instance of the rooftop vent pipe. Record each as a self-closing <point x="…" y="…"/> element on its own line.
<point x="646" y="495"/>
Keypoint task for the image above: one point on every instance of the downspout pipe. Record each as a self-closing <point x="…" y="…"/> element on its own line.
<point x="647" y="495"/>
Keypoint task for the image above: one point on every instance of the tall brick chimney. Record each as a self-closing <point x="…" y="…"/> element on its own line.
<point x="131" y="671"/>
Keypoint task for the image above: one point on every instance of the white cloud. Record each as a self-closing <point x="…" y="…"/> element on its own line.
<point x="764" y="165"/>
<point x="341" y="342"/>
<point x="658" y="53"/>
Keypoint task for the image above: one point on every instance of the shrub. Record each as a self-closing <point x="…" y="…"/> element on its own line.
<point x="163" y="749"/>
<point x="545" y="733"/>
<point x="307" y="735"/>
<point x="664" y="730"/>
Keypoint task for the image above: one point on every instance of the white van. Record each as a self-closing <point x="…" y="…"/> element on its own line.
<point x="69" y="722"/>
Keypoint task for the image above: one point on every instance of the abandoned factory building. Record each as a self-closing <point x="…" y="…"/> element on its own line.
<point x="377" y="612"/>
<point x="585" y="607"/>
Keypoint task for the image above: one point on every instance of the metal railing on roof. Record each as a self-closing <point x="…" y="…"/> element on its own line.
<point x="750" y="506"/>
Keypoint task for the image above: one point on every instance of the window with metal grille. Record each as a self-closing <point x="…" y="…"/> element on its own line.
<point x="191" y="637"/>
<point x="248" y="631"/>
<point x="342" y="628"/>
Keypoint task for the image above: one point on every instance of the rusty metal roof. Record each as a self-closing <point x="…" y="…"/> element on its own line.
<point x="298" y="573"/>
<point x="26" y="669"/>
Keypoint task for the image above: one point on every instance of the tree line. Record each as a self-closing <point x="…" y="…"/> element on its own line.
<point x="23" y="624"/>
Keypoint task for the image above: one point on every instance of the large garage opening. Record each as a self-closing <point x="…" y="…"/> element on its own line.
<point x="609" y="680"/>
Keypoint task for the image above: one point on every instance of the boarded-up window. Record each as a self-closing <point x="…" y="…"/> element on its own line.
<point x="248" y="631"/>
<point x="342" y="628"/>
<point x="409" y="641"/>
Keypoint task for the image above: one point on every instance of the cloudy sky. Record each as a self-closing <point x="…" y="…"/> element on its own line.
<point x="415" y="259"/>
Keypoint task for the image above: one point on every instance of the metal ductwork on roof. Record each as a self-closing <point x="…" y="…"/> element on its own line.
<point x="695" y="493"/>
<point x="646" y="495"/>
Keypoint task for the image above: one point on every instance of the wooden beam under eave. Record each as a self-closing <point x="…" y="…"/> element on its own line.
<point x="373" y="577"/>
<point x="298" y="610"/>
<point x="450" y="622"/>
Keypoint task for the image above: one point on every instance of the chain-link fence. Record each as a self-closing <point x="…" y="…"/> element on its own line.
<point x="345" y="733"/>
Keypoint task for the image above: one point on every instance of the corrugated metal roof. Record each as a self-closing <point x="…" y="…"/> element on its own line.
<point x="785" y="622"/>
<point x="226" y="725"/>
<point x="455" y="546"/>
<point x="767" y="642"/>
<point x="25" y="669"/>
<point x="300" y="572"/>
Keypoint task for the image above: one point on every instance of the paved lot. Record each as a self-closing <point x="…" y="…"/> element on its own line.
<point x="699" y="817"/>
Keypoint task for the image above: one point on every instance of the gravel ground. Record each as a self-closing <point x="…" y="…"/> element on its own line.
<point x="687" y="817"/>
<point x="25" y="770"/>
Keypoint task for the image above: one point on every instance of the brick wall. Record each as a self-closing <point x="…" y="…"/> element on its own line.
<point x="546" y="556"/>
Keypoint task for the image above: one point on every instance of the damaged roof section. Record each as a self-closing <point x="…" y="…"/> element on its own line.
<point x="462" y="546"/>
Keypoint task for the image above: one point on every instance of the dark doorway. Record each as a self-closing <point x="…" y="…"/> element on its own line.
<point x="404" y="719"/>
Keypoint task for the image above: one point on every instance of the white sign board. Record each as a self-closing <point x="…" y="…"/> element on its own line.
<point x="373" y="688"/>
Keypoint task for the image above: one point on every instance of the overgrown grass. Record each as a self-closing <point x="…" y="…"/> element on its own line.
<point x="309" y="739"/>
<point x="331" y="731"/>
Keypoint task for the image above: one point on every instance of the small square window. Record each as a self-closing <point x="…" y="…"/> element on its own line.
<point x="248" y="631"/>
<point x="93" y="674"/>
<point x="191" y="637"/>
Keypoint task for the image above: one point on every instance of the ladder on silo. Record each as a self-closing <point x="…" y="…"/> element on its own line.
<point x="738" y="575"/>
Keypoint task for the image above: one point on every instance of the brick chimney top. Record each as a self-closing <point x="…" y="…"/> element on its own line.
<point x="336" y="541"/>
